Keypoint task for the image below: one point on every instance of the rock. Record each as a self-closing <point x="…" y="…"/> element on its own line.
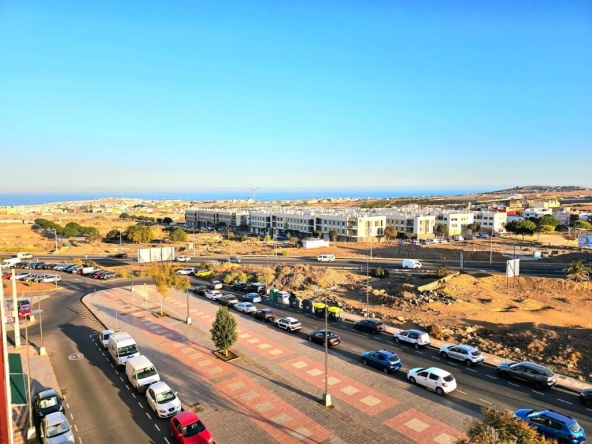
<point x="400" y="318"/>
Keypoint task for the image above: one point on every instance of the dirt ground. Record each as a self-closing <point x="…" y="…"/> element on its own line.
<point x="541" y="319"/>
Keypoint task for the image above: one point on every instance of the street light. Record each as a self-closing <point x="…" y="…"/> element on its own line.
<point x="120" y="243"/>
<point x="55" y="236"/>
<point x="326" y="395"/>
<point x="188" y="319"/>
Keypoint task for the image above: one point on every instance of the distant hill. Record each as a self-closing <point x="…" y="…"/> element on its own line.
<point x="538" y="189"/>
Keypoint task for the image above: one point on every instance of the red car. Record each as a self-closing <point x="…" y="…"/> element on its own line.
<point x="187" y="428"/>
<point x="24" y="309"/>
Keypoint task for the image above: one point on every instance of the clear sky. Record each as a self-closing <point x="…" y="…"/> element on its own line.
<point x="372" y="94"/>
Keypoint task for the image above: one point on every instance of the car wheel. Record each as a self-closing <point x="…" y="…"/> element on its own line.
<point x="356" y="327"/>
<point x="444" y="355"/>
<point x="364" y="361"/>
<point x="538" y="385"/>
<point x="385" y="370"/>
<point x="412" y="380"/>
<point x="397" y="339"/>
<point x="374" y="332"/>
<point x="439" y="391"/>
<point x="504" y="375"/>
<point x="310" y="338"/>
<point x="416" y="346"/>
<point x="468" y="363"/>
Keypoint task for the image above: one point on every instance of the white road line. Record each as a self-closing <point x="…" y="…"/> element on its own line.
<point x="567" y="402"/>
<point x="540" y="393"/>
<point x="80" y="439"/>
<point x="127" y="387"/>
<point x="515" y="385"/>
<point x="435" y="357"/>
<point x="471" y="370"/>
<point x="417" y="351"/>
<point x="68" y="405"/>
<point x="72" y="417"/>
<point x="390" y="342"/>
<point x="157" y="428"/>
<point x="103" y="353"/>
<point x="460" y="391"/>
<point x="148" y="415"/>
<point x="112" y="366"/>
<point x="453" y="363"/>
<point x="121" y="379"/>
<point x="483" y="400"/>
<point x="140" y="404"/>
<point x="492" y="377"/>
<point x="76" y="427"/>
<point x="133" y="394"/>
<point x="167" y="441"/>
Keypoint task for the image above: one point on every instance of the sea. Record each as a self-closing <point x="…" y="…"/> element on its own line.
<point x="16" y="199"/>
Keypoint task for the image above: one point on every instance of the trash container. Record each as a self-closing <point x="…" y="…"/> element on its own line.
<point x="319" y="309"/>
<point x="335" y="314"/>
<point x="273" y="294"/>
<point x="307" y="306"/>
<point x="283" y="297"/>
<point x="295" y="303"/>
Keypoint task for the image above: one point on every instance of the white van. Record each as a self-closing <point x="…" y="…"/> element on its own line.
<point x="122" y="347"/>
<point x="24" y="255"/>
<point x="10" y="263"/>
<point x="326" y="258"/>
<point x="141" y="373"/>
<point x="411" y="263"/>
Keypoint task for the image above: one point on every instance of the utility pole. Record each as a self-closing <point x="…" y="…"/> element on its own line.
<point x="326" y="395"/>
<point x="6" y="431"/>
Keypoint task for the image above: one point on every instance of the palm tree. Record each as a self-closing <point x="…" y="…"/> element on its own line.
<point x="577" y="271"/>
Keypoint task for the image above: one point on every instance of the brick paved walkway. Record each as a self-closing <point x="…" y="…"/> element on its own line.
<point x="271" y="394"/>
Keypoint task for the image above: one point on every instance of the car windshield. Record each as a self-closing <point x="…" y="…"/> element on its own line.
<point x="146" y="372"/>
<point x="106" y="336"/>
<point x="165" y="396"/>
<point x="394" y="358"/>
<point x="476" y="353"/>
<point x="193" y="428"/>
<point x="127" y="350"/>
<point x="547" y="372"/>
<point x="48" y="402"/>
<point x="575" y="427"/>
<point x="57" y="429"/>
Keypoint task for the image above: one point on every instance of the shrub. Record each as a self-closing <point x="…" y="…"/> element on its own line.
<point x="380" y="273"/>
<point x="435" y="331"/>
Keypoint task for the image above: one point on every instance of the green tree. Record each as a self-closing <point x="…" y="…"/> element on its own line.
<point x="178" y="235"/>
<point x="125" y="216"/>
<point x="112" y="235"/>
<point x="224" y="331"/>
<point x="390" y="233"/>
<point x="548" y="219"/>
<point x="583" y="224"/>
<point x="577" y="271"/>
<point x="523" y="227"/>
<point x="441" y="229"/>
<point x="166" y="278"/>
<point x="139" y="234"/>
<point x="333" y="235"/>
<point x="167" y="220"/>
<point x="70" y="232"/>
<point x="501" y="427"/>
<point x="244" y="238"/>
<point x="474" y="227"/>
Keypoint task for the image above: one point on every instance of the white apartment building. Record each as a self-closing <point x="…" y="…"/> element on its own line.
<point x="537" y="212"/>
<point x="412" y="224"/>
<point x="212" y="217"/>
<point x="456" y="222"/>
<point x="491" y="221"/>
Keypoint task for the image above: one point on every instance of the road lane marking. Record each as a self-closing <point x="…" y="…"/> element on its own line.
<point x="540" y="393"/>
<point x="492" y="377"/>
<point x="460" y="391"/>
<point x="471" y="370"/>
<point x="567" y="402"/>
<point x="417" y="351"/>
<point x="483" y="400"/>
<point x="121" y="379"/>
<point x="157" y="428"/>
<point x="68" y="405"/>
<point x="127" y="387"/>
<point x="140" y="404"/>
<point x="148" y="415"/>
<point x="72" y="417"/>
<point x="76" y="427"/>
<point x="167" y="441"/>
<point x="515" y="385"/>
<point x="133" y="394"/>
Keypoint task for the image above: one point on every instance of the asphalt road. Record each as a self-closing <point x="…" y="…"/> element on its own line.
<point x="102" y="411"/>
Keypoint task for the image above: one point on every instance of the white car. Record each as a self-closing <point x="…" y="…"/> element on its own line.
<point x="288" y="323"/>
<point x="245" y="307"/>
<point x="463" y="352"/>
<point x="213" y="295"/>
<point x="417" y="338"/>
<point x="163" y="400"/>
<point x="51" y="278"/>
<point x="186" y="271"/>
<point x="183" y="259"/>
<point x="22" y="276"/>
<point x="104" y="337"/>
<point x="432" y="378"/>
<point x="55" y="429"/>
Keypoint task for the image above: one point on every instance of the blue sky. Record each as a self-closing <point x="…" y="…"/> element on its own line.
<point x="401" y="95"/>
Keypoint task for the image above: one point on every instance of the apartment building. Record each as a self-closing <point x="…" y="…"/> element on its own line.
<point x="212" y="217"/>
<point x="491" y="221"/>
<point x="550" y="203"/>
<point x="537" y="212"/>
<point x="456" y="222"/>
<point x="412" y="224"/>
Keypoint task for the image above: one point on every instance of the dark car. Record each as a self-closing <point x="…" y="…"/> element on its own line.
<point x="228" y="300"/>
<point x="240" y="286"/>
<point x="46" y="402"/>
<point x="319" y="336"/>
<point x="384" y="360"/>
<point x="553" y="425"/>
<point x="37" y="265"/>
<point x="120" y="256"/>
<point x="200" y="289"/>
<point x="70" y="268"/>
<point x="258" y="287"/>
<point x="374" y="326"/>
<point x="265" y="314"/>
<point x="586" y="397"/>
<point x="234" y="259"/>
<point x="25" y="265"/>
<point x="539" y="375"/>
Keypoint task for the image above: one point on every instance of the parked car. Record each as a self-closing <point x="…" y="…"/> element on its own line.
<point x="52" y="278"/>
<point x="465" y="353"/>
<point x="417" y="338"/>
<point x="55" y="429"/>
<point x="22" y="276"/>
<point x="538" y="375"/>
<point x="432" y="378"/>
<point x="384" y="360"/>
<point x="372" y="325"/>
<point x="213" y="294"/>
<point x="74" y="270"/>
<point x="187" y="428"/>
<point x="265" y="314"/>
<point x="98" y="274"/>
<point x="251" y="297"/>
<point x="228" y="300"/>
<point x="183" y="259"/>
<point x="163" y="400"/>
<point x="108" y="275"/>
<point x="586" y="397"/>
<point x="234" y="259"/>
<point x="245" y="307"/>
<point x="37" y="265"/>
<point x="104" y="337"/>
<point x="320" y="335"/>
<point x="289" y="324"/>
<point x="240" y="286"/>
<point x="553" y="425"/>
<point x="6" y="274"/>
<point x="46" y="402"/>
<point x="257" y="287"/>
<point x="186" y="271"/>
<point x="215" y="285"/>
<point x="200" y="289"/>
<point x="120" y="256"/>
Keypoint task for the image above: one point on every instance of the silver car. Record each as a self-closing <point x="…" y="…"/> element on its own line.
<point x="465" y="353"/>
<point x="55" y="429"/>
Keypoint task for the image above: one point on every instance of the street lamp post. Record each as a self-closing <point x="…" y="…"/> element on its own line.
<point x="120" y="243"/>
<point x="188" y="319"/>
<point x="326" y="396"/>
<point x="55" y="236"/>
